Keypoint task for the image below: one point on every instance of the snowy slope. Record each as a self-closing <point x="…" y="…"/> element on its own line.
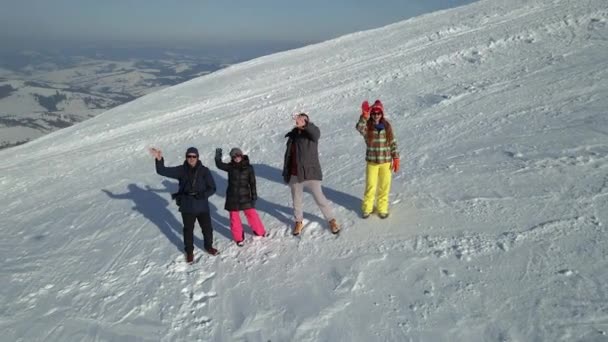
<point x="498" y="225"/>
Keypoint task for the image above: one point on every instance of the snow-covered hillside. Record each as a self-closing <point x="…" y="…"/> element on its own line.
<point x="498" y="216"/>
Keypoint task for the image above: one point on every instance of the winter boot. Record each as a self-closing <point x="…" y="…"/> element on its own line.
<point x="383" y="215"/>
<point x="212" y="251"/>
<point x="333" y="225"/>
<point x="297" y="229"/>
<point x="189" y="257"/>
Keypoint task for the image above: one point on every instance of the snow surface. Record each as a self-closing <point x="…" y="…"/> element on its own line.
<point x="498" y="216"/>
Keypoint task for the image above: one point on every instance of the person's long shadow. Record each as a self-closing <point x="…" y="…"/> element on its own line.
<point x="220" y="224"/>
<point x="155" y="208"/>
<point x="340" y="198"/>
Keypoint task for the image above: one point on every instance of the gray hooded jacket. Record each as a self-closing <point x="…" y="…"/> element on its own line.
<point x="307" y="153"/>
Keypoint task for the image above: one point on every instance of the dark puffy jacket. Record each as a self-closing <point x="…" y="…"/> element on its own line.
<point x="307" y="153"/>
<point x="196" y="185"/>
<point x="241" y="192"/>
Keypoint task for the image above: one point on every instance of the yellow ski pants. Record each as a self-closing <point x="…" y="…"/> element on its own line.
<point x="377" y="178"/>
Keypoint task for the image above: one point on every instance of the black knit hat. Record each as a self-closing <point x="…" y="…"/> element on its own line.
<point x="192" y="150"/>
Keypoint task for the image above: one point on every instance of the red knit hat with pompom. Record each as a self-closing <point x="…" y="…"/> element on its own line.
<point x="377" y="106"/>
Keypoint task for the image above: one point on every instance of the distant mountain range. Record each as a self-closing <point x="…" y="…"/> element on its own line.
<point x="41" y="92"/>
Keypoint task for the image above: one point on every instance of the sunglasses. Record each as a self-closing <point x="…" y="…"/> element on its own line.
<point x="191" y="156"/>
<point x="237" y="156"/>
<point x="376" y="113"/>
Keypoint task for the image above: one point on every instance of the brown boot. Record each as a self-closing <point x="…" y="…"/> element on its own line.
<point x="212" y="251"/>
<point x="333" y="225"/>
<point x="297" y="229"/>
<point x="189" y="257"/>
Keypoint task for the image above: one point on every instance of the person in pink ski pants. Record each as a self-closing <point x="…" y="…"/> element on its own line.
<point x="241" y="194"/>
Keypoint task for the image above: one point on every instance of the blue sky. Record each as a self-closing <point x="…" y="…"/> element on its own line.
<point x="202" y="21"/>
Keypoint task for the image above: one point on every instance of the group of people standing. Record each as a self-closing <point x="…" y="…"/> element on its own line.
<point x="301" y="168"/>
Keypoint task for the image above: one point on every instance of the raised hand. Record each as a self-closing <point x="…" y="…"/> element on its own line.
<point x="218" y="153"/>
<point x="365" y="109"/>
<point x="300" y="121"/>
<point x="156" y="153"/>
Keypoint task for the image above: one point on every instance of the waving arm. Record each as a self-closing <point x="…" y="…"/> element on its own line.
<point x="218" y="160"/>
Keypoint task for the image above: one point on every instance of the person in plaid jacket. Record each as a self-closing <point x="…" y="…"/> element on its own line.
<point x="381" y="156"/>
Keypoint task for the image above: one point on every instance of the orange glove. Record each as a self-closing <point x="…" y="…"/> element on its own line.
<point x="365" y="110"/>
<point x="395" y="165"/>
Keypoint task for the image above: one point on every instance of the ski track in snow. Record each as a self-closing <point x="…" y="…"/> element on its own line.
<point x="497" y="228"/>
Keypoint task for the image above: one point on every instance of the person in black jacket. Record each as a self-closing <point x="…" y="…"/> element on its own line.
<point x="241" y="193"/>
<point x="196" y="185"/>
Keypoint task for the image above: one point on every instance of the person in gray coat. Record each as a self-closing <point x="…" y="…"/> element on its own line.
<point x="301" y="168"/>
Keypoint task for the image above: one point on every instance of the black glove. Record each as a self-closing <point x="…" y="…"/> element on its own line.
<point x="218" y="153"/>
